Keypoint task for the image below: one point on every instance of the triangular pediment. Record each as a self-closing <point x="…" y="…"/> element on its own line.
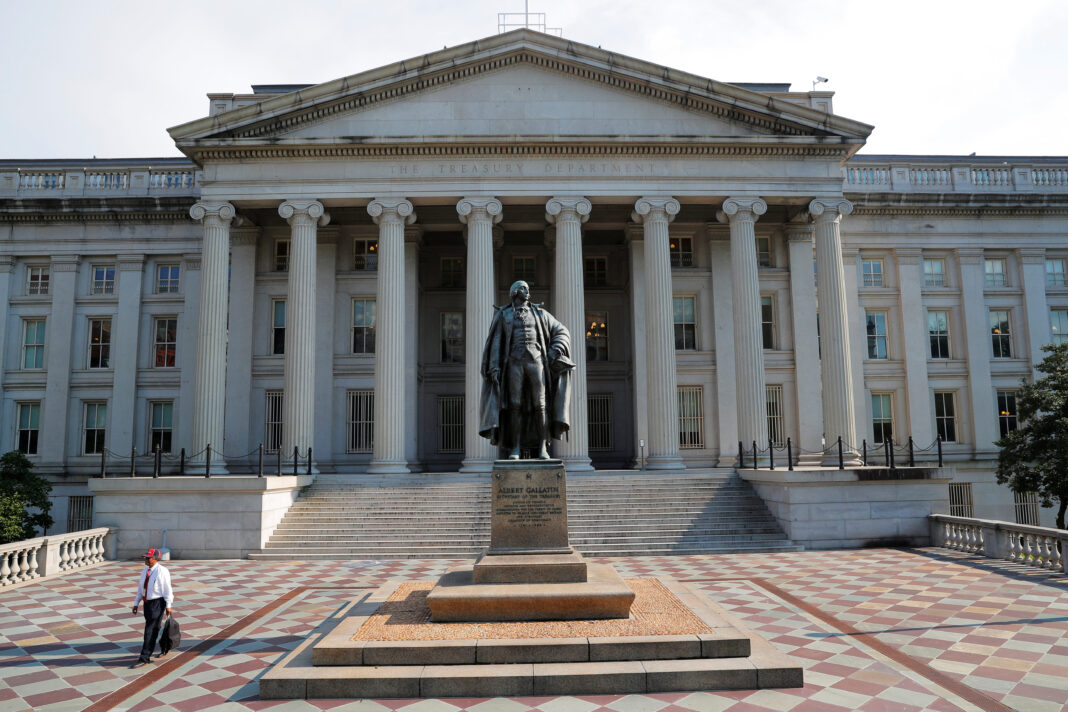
<point x="524" y="86"/>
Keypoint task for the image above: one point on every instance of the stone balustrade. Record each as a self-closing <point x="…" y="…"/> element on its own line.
<point x="33" y="558"/>
<point x="74" y="179"/>
<point x="899" y="174"/>
<point x="1042" y="547"/>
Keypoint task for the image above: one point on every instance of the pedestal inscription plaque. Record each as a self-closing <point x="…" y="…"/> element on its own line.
<point x="529" y="514"/>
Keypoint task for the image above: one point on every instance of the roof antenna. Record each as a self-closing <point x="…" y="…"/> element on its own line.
<point x="819" y="80"/>
<point x="508" y="21"/>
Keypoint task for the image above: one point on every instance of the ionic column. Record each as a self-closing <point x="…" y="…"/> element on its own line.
<point x="917" y="347"/>
<point x="719" y="255"/>
<point x="298" y="401"/>
<point x="479" y="214"/>
<point x="662" y="380"/>
<point x="839" y="416"/>
<point x="124" y="360"/>
<point x="799" y="232"/>
<point x="1033" y="267"/>
<point x="742" y="214"/>
<point x="391" y="215"/>
<point x="243" y="243"/>
<point x="569" y="306"/>
<point x="413" y="240"/>
<point x="636" y="250"/>
<point x="209" y="390"/>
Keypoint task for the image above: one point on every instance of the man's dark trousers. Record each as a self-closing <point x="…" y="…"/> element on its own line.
<point x="154" y="611"/>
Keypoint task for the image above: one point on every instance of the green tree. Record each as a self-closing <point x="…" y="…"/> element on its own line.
<point x="24" y="503"/>
<point x="1034" y="457"/>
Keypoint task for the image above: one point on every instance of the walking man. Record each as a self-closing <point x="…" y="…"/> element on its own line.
<point x="154" y="588"/>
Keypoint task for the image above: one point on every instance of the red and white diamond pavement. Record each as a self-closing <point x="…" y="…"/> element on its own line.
<point x="877" y="629"/>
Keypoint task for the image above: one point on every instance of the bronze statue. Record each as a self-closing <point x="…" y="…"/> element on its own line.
<point x="526" y="371"/>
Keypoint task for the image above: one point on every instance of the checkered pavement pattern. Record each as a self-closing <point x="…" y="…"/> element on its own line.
<point x="876" y="629"/>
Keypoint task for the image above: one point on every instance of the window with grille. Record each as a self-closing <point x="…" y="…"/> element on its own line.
<point x="364" y="255"/>
<point x="882" y="417"/>
<point x="452" y="272"/>
<point x="363" y="326"/>
<point x="684" y="314"/>
<point x="450" y="424"/>
<point x="938" y="333"/>
<point x="872" y="271"/>
<point x="37" y="280"/>
<point x="1058" y="326"/>
<point x="946" y="416"/>
<point x="595" y="271"/>
<point x="1026" y="508"/>
<point x="165" y="342"/>
<point x="272" y="432"/>
<point x="29" y="427"/>
<point x="1006" y="412"/>
<point x="523" y="269"/>
<point x="361" y="421"/>
<point x="681" y="249"/>
<point x="960" y="499"/>
<point x="281" y="255"/>
<point x="763" y="250"/>
<point x="161" y="425"/>
<point x="691" y="417"/>
<point x="1055" y="272"/>
<point x="33" y="336"/>
<point x="994" y="272"/>
<point x="1000" y="336"/>
<point x="596" y="336"/>
<point x="94" y="430"/>
<point x="776" y="423"/>
<point x="99" y="343"/>
<point x="167" y="279"/>
<point x="103" y="279"/>
<point x="452" y="337"/>
<point x="875" y="327"/>
<point x="278" y="327"/>
<point x="934" y="272"/>
<point x="767" y="320"/>
<point x="599" y="416"/>
<point x="79" y="513"/>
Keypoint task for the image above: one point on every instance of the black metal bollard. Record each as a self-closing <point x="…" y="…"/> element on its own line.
<point x="278" y="456"/>
<point x="912" y="454"/>
<point x="755" y="465"/>
<point x="309" y="459"/>
<point x="261" y="461"/>
<point x="156" y="462"/>
<point x="771" y="455"/>
<point x="207" y="461"/>
<point x="864" y="452"/>
<point x="103" y="464"/>
<point x="181" y="462"/>
<point x="133" y="462"/>
<point x="295" y="456"/>
<point x="886" y="450"/>
<point x="741" y="454"/>
<point x="939" y="450"/>
<point x="789" y="454"/>
<point x="891" y="441"/>
<point x="841" y="460"/>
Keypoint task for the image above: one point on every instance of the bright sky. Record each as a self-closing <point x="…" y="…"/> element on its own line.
<point x="106" y="78"/>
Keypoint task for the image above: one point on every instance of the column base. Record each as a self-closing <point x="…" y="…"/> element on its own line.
<point x="849" y="459"/>
<point x="664" y="462"/>
<point x="578" y="464"/>
<point x="476" y="464"/>
<point x="196" y="469"/>
<point x="388" y="467"/>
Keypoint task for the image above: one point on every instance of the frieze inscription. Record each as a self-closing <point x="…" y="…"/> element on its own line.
<point x="485" y="169"/>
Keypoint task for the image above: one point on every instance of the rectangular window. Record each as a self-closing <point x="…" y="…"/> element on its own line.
<point x="99" y="343"/>
<point x="361" y="421"/>
<point x="882" y="416"/>
<point x="272" y="432"/>
<point x="945" y="416"/>
<point x="95" y="430"/>
<point x="278" y="327"/>
<point x="596" y="336"/>
<point x="1026" y="508"/>
<point x="523" y="269"/>
<point x="1055" y="272"/>
<point x="938" y="333"/>
<point x="767" y="320"/>
<point x="1006" y="412"/>
<point x="934" y="272"/>
<point x="452" y="337"/>
<point x="364" y="255"/>
<point x="875" y="327"/>
<point x="37" y="280"/>
<point x="1000" y="336"/>
<point x="681" y="251"/>
<point x="960" y="499"/>
<point x="29" y="420"/>
<point x="600" y="421"/>
<point x="595" y="271"/>
<point x="161" y="425"/>
<point x="363" y="326"/>
<point x="1058" y="326"/>
<point x="776" y="424"/>
<point x="873" y="272"/>
<point x="79" y="513"/>
<point x="281" y="255"/>
<point x="33" y="338"/>
<point x="691" y="417"/>
<point x="165" y="342"/>
<point x="167" y="279"/>
<point x="450" y="424"/>
<point x="994" y="272"/>
<point x="452" y="272"/>
<point x="685" y="323"/>
<point x="763" y="250"/>
<point x="103" y="279"/>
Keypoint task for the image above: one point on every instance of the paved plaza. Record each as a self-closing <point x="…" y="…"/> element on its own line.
<point x="876" y="629"/>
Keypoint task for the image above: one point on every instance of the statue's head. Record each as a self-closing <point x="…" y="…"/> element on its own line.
<point x="519" y="287"/>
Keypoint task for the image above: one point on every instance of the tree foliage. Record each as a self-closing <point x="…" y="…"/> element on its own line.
<point x="1034" y="457"/>
<point x="24" y="502"/>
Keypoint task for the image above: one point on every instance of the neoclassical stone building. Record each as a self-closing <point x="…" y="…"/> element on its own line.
<point x="320" y="270"/>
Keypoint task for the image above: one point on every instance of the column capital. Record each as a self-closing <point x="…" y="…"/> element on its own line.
<point x="66" y="263"/>
<point x="391" y="210"/>
<point x="716" y="232"/>
<point x="413" y="234"/>
<point x="908" y="255"/>
<point x="131" y="263"/>
<point x="565" y="208"/>
<point x="748" y="209"/>
<point x="304" y="210"/>
<point x="633" y="233"/>
<point x="220" y="210"/>
<point x="244" y="236"/>
<point x="970" y="255"/>
<point x="1032" y="255"/>
<point x="478" y="207"/>
<point x="7" y="262"/>
<point x="829" y="209"/>
<point x="799" y="228"/>
<point x="649" y="209"/>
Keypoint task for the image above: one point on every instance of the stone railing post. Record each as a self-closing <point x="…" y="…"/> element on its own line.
<point x="992" y="545"/>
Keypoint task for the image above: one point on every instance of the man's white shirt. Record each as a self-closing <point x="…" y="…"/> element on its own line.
<point x="159" y="585"/>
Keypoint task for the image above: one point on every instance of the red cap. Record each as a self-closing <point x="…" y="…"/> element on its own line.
<point x="152" y="554"/>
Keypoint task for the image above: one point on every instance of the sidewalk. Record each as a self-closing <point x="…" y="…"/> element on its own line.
<point x="877" y="629"/>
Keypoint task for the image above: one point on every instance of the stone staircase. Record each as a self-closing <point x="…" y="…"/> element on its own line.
<point x="434" y="516"/>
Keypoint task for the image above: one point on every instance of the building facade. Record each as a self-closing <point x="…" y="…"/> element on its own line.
<point x="319" y="272"/>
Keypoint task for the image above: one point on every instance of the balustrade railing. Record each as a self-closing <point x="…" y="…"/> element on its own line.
<point x="1042" y="547"/>
<point x="33" y="558"/>
<point x="905" y="174"/>
<point x="80" y="179"/>
<point x="34" y="180"/>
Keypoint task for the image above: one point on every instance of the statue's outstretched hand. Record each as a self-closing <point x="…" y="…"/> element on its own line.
<point x="495" y="377"/>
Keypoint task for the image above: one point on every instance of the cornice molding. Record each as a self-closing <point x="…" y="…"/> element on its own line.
<point x="168" y="216"/>
<point x="974" y="211"/>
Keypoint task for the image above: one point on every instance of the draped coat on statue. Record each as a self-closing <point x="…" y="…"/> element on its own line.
<point x="551" y="335"/>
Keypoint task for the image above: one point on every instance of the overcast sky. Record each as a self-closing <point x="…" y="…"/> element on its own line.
<point x="106" y="78"/>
